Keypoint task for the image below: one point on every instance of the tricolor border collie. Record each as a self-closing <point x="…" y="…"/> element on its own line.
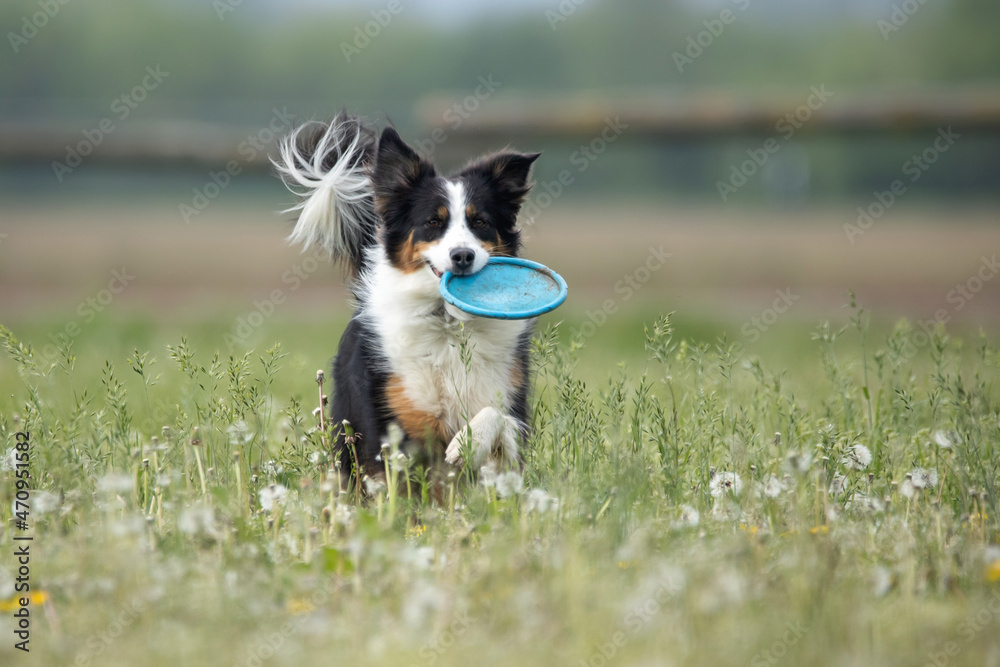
<point x="452" y="381"/>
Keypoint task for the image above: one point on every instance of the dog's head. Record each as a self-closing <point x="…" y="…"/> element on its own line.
<point x="455" y="223"/>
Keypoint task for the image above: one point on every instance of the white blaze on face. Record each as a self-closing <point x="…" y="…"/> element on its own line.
<point x="458" y="234"/>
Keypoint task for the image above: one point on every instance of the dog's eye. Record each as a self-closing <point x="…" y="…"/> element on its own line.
<point x="479" y="223"/>
<point x="434" y="222"/>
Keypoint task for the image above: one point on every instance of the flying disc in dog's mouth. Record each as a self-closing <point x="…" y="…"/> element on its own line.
<point x="507" y="288"/>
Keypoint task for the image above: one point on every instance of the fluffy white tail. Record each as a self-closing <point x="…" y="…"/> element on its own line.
<point x="327" y="166"/>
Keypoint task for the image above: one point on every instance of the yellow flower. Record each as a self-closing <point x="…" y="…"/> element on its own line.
<point x="414" y="532"/>
<point x="819" y="530"/>
<point x="626" y="564"/>
<point x="299" y="606"/>
<point x="749" y="530"/>
<point x="11" y="604"/>
<point x="993" y="572"/>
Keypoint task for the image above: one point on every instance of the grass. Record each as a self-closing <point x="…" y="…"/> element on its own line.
<point x="825" y="499"/>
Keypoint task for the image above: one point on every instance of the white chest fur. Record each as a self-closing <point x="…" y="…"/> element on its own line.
<point x="451" y="365"/>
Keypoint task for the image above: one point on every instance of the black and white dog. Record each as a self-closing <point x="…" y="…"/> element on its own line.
<point x="407" y="356"/>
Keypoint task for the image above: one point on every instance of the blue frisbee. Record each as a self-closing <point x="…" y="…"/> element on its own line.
<point x="508" y="288"/>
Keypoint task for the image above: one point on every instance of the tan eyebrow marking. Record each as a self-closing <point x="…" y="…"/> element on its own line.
<point x="470" y="211"/>
<point x="442" y="213"/>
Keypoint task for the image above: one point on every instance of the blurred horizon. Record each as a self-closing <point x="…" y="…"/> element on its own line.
<point x="152" y="100"/>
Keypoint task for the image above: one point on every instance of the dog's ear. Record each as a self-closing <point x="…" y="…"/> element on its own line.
<point x="397" y="167"/>
<point x="510" y="172"/>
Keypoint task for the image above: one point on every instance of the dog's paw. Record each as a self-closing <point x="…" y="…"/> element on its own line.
<point x="490" y="436"/>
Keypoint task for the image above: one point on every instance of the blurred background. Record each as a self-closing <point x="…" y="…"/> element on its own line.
<point x="740" y="162"/>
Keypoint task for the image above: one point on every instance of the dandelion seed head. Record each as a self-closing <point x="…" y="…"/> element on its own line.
<point x="690" y="517"/>
<point x="509" y="484"/>
<point x="399" y="462"/>
<point x="44" y="502"/>
<point x="540" y="501"/>
<point x="116" y="483"/>
<point x="945" y="439"/>
<point x="198" y="521"/>
<point x="773" y="487"/>
<point x="837" y="485"/>
<point x="239" y="433"/>
<point x="374" y="486"/>
<point x="488" y="475"/>
<point x="858" y="457"/>
<point x="725" y="483"/>
<point x="922" y="478"/>
<point x="9" y="460"/>
<point x="271" y="496"/>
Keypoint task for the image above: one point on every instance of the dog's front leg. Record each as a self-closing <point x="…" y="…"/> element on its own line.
<point x="493" y="438"/>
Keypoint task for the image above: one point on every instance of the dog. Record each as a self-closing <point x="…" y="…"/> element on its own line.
<point x="454" y="383"/>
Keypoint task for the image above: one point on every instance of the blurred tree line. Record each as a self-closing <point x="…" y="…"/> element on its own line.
<point x="234" y="60"/>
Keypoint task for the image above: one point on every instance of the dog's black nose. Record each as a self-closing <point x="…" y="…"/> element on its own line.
<point x="462" y="258"/>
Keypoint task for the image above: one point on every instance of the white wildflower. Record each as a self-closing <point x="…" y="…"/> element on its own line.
<point x="838" y="484"/>
<point x="114" y="483"/>
<point x="488" y="475"/>
<point x="317" y="458"/>
<point x="9" y="460"/>
<point x="773" y="487"/>
<point x="797" y="462"/>
<point x="907" y="489"/>
<point x="374" y="486"/>
<point x="272" y="495"/>
<point x="945" y="439"/>
<point x="44" y="502"/>
<point x="865" y="503"/>
<point x="541" y="502"/>
<point x="344" y="514"/>
<point x="395" y="435"/>
<point x="273" y="469"/>
<point x="509" y="484"/>
<point x="198" y="520"/>
<point x="858" y="457"/>
<point x="725" y="483"/>
<point x="239" y="433"/>
<point x="399" y="462"/>
<point x="690" y="517"/>
<point x="924" y="478"/>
